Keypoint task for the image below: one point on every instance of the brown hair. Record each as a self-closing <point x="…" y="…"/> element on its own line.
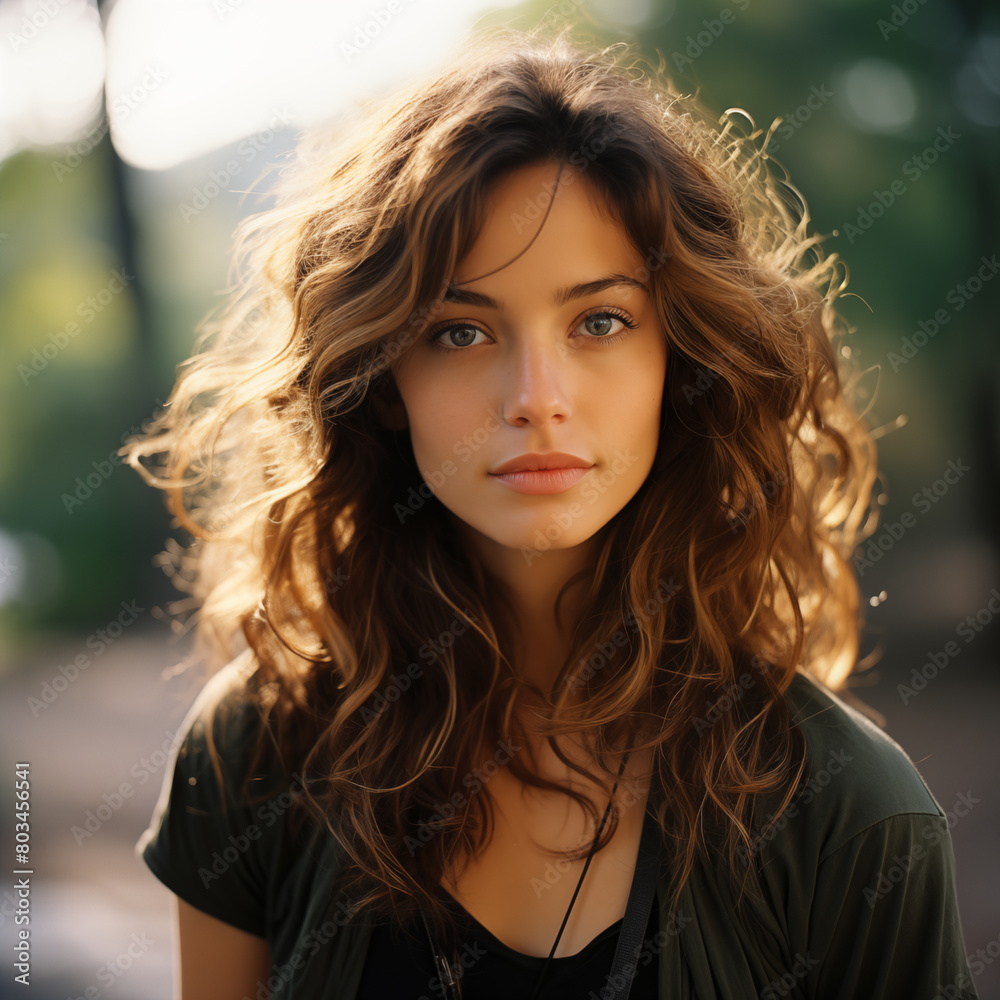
<point x="277" y="464"/>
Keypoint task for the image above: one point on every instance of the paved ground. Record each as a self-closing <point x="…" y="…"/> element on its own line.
<point x="92" y="898"/>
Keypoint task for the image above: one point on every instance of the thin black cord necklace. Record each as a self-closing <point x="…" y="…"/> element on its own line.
<point x="443" y="967"/>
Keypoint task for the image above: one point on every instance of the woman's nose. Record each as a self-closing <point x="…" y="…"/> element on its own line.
<point x="536" y="382"/>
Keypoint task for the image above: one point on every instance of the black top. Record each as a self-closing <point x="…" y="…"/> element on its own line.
<point x="857" y="877"/>
<point x="402" y="968"/>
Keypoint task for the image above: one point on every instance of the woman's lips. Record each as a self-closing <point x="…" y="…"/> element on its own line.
<point x="542" y="480"/>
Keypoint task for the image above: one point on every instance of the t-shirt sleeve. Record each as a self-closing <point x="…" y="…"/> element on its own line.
<point x="885" y="922"/>
<point x="203" y="843"/>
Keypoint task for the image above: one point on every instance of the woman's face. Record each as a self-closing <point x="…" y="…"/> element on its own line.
<point x="559" y="351"/>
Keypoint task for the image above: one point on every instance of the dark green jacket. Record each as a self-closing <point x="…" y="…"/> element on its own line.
<point x="858" y="875"/>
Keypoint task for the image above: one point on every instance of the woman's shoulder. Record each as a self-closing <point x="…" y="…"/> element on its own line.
<point x="860" y="863"/>
<point x="856" y="776"/>
<point x="225" y="695"/>
<point x="874" y="764"/>
<point x="217" y="837"/>
<point x="222" y="732"/>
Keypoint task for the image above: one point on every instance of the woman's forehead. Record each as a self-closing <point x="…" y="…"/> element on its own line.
<point x="537" y="229"/>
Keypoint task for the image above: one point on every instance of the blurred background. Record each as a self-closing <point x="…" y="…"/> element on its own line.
<point x="134" y="136"/>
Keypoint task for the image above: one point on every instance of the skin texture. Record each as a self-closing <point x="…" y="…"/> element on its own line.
<point x="538" y="375"/>
<point x="216" y="961"/>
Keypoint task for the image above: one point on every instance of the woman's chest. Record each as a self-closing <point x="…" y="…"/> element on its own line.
<point x="520" y="890"/>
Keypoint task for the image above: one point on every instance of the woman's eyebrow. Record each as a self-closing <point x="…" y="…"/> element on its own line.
<point x="561" y="297"/>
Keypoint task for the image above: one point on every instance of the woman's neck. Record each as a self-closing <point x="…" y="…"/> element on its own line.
<point x="531" y="582"/>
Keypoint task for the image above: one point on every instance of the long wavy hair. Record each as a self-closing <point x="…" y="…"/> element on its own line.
<point x="315" y="542"/>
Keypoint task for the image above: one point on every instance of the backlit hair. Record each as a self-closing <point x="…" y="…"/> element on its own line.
<point x="731" y="561"/>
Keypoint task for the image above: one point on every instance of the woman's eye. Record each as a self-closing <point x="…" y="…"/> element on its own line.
<point x="602" y="325"/>
<point x="457" y="336"/>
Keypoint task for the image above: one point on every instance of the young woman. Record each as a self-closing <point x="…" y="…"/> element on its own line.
<point x="524" y="468"/>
